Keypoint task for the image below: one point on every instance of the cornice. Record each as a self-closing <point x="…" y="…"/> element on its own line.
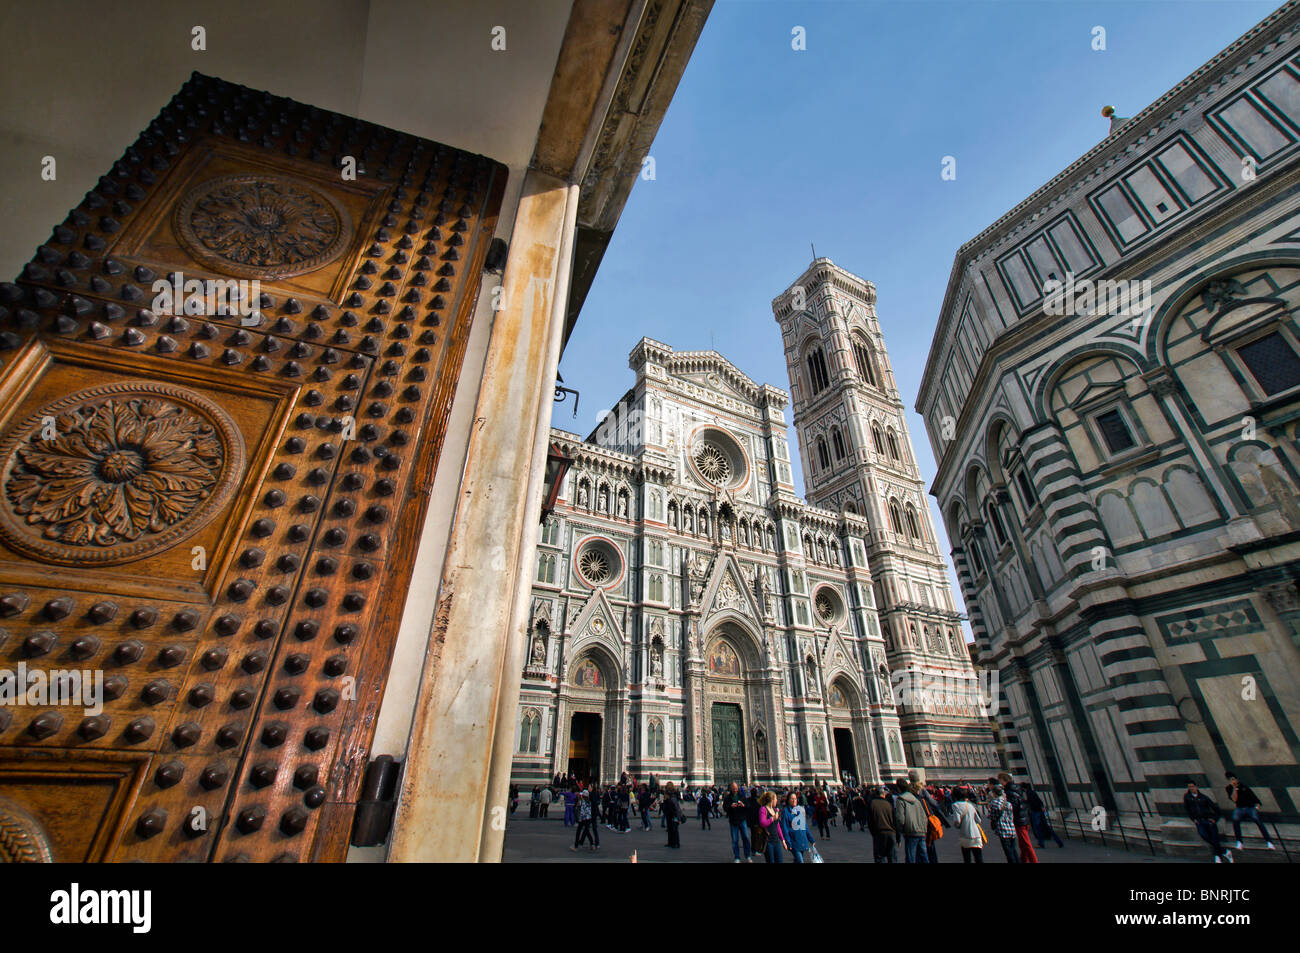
<point x="1116" y="148"/>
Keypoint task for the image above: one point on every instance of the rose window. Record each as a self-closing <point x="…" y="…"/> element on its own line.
<point x="599" y="562"/>
<point x="713" y="464"/>
<point x="828" y="606"/>
<point x="717" y="459"/>
<point x="594" y="566"/>
<point x="825" y="608"/>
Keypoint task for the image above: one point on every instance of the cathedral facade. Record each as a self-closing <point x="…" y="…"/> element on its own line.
<point x="692" y="617"/>
<point x="1112" y="396"/>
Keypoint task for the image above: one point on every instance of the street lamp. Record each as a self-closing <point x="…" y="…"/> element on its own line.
<point x="557" y="465"/>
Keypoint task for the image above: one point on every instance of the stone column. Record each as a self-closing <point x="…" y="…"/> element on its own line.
<point x="460" y="742"/>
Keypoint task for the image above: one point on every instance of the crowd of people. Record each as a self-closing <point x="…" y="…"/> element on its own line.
<point x="905" y="818"/>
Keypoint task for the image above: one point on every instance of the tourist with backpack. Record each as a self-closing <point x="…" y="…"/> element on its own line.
<point x="970" y="835"/>
<point x="1020" y="817"/>
<point x="1002" y="817"/>
<point x="912" y="821"/>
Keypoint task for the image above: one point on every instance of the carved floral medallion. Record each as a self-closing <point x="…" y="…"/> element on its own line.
<point x="113" y="473"/>
<point x="261" y="226"/>
<point x="23" y="840"/>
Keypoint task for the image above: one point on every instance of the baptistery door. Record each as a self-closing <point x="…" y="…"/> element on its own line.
<point x="226" y="379"/>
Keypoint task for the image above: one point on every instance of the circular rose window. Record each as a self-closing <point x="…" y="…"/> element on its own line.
<point x="599" y="563"/>
<point x="718" y="459"/>
<point x="828" y="605"/>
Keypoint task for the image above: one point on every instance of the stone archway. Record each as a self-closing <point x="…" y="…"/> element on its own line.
<point x="850" y="733"/>
<point x="735" y="699"/>
<point x="590" y="715"/>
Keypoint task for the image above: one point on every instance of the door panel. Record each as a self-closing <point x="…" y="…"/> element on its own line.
<point x="218" y="512"/>
<point x="728" y="744"/>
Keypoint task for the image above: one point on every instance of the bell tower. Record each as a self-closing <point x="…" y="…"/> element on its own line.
<point x="857" y="457"/>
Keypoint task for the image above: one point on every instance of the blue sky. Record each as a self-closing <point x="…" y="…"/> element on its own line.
<point x="765" y="149"/>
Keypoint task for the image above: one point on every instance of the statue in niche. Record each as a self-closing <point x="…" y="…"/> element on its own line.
<point x="604" y="499"/>
<point x="539" y="652"/>
<point x="699" y="575"/>
<point x="688" y="521"/>
<point x="582" y="494"/>
<point x="704" y="523"/>
<point x="672" y="515"/>
<point x="622" y="505"/>
<point x="726" y="530"/>
<point x="657" y="660"/>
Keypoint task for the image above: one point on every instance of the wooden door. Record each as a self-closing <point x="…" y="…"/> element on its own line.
<point x="213" y="503"/>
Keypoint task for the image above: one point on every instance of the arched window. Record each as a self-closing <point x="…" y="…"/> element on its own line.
<point x="877" y="440"/>
<point x="862" y="357"/>
<point x="973" y="547"/>
<point x="823" y="456"/>
<point x="817" y="374"/>
<point x="655" y="738"/>
<point x="913" y="527"/>
<point x="837" y="441"/>
<point x="1026" y="489"/>
<point x="895" y="518"/>
<point x="530" y="731"/>
<point x="995" y="521"/>
<point x="893" y="443"/>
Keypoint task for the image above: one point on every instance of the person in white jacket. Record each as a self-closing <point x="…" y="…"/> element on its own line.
<point x="965" y="817"/>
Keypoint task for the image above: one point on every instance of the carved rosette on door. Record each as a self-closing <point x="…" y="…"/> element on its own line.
<point x="219" y="511"/>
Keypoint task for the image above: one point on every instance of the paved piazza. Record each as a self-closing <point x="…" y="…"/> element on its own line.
<point x="548" y="840"/>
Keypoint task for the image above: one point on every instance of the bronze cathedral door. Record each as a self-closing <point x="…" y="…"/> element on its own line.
<point x="728" y="744"/>
<point x="210" y="501"/>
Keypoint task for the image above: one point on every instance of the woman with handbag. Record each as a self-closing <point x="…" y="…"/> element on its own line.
<point x="769" y="820"/>
<point x="965" y="818"/>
